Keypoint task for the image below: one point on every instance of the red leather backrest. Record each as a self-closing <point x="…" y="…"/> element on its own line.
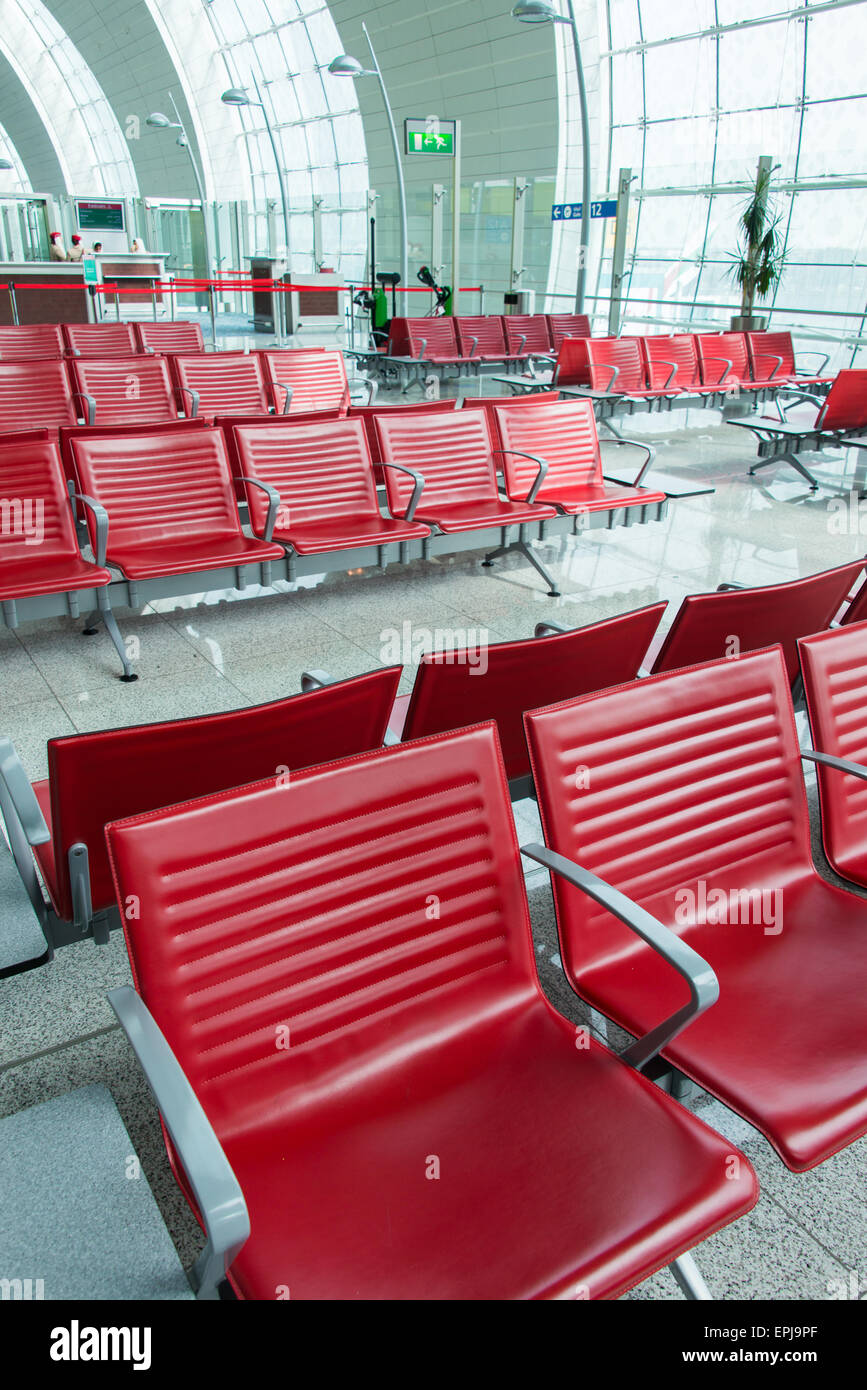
<point x="845" y="405"/>
<point x="374" y="908"/>
<point x="834" y="666"/>
<point x="624" y="353"/>
<point x="688" y="777"/>
<point x="562" y="326"/>
<point x="158" y="487"/>
<point x="491" y="404"/>
<point x="464" y="686"/>
<point x="708" y="626"/>
<point x="31" y="340"/>
<point x="437" y="333"/>
<point x="532" y="327"/>
<point x="317" y="379"/>
<point x="451" y="450"/>
<point x="715" y="350"/>
<point x="100" y="339"/>
<point x="35" y="393"/>
<point x="70" y="432"/>
<point x="679" y="349"/>
<point x="562" y="433"/>
<point x="127" y="390"/>
<point x="229" y="423"/>
<point x="573" y="363"/>
<point x="368" y="414"/>
<point x="486" y="329"/>
<point x="228" y="383"/>
<point x="175" y="336"/>
<point x="856" y="611"/>
<point x="765" y="349"/>
<point x="33" y="502"/>
<point x="320" y="470"/>
<point x="99" y="777"/>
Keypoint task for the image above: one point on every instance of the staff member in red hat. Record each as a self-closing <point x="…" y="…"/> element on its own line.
<point x="57" y="250"/>
<point x="76" y="250"/>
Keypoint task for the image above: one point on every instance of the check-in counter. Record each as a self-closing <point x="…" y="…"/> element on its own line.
<point x="44" y="292"/>
<point x="139" y="276"/>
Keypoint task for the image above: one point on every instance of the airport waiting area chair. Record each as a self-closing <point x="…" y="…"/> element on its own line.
<point x="220" y="383"/>
<point x="35" y="395"/>
<point x="123" y="390"/>
<point x="357" y="993"/>
<point x="172" y="336"/>
<point x="100" y="339"/>
<point x="19" y="342"/>
<point x="684" y="794"/>
<point x="826" y="425"/>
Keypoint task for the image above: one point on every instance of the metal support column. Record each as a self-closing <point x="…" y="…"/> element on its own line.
<point x="318" y="258"/>
<point x="437" y="264"/>
<point x="618" y="260"/>
<point x="456" y="221"/>
<point x="518" y="204"/>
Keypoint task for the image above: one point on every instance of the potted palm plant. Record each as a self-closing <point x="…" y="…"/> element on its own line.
<point x="760" y="258"/>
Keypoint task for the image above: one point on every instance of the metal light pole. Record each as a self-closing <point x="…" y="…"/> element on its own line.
<point x="237" y="96"/>
<point x="541" y="12"/>
<point x="161" y="122"/>
<point x="346" y="66"/>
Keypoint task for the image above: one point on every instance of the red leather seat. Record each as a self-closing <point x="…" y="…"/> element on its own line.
<point x="99" y="777"/>
<point x="368" y="414"/>
<point x="772" y="359"/>
<point x="173" y="336"/>
<point x="452" y="451"/>
<point x="481" y="337"/>
<point x="695" y="807"/>
<point x="324" y="476"/>
<point x="454" y="688"/>
<point x="124" y="390"/>
<point x="428" y="339"/>
<point x="707" y="626"/>
<point x="317" y="380"/>
<point x="100" y="339"/>
<point x="428" y="1128"/>
<point x="724" y="359"/>
<point x="834" y="667"/>
<point x="39" y="552"/>
<point x="28" y="340"/>
<point x="69" y="432"/>
<point x="614" y="365"/>
<point x="490" y="405"/>
<point x="564" y="435"/>
<point x="526" y="334"/>
<point x="34" y="394"/>
<point x="562" y="326"/>
<point x="170" y="502"/>
<point x="224" y="383"/>
<point x="228" y="424"/>
<point x="672" y="364"/>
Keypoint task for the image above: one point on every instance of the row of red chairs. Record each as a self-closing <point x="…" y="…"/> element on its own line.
<point x="664" y="367"/>
<point x="27" y="340"/>
<point x="288" y="924"/>
<point x="152" y="389"/>
<point x="473" y="340"/>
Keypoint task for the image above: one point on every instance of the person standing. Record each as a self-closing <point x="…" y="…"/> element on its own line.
<point x="57" y="250"/>
<point x="76" y="250"/>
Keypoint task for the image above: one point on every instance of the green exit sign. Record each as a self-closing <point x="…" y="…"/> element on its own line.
<point x="429" y="135"/>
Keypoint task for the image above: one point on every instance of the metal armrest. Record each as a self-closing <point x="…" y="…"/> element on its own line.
<point x="771" y="358"/>
<point x="194" y="400"/>
<point x="273" y="504"/>
<point x="839" y="764"/>
<point x="540" y="476"/>
<point x="284" y="387"/>
<point x="728" y="366"/>
<point x="372" y="388"/>
<point x="541" y="629"/>
<point x="793" y="397"/>
<point x="100" y="516"/>
<point x="315" y="679"/>
<point x="217" y="1191"/>
<point x="662" y="362"/>
<point x="521" y="345"/>
<point x="636" y="444"/>
<point x="474" y="343"/>
<point x="21" y="795"/>
<point x="703" y="983"/>
<point x="418" y="480"/>
<point x="422" y="350"/>
<point x="542" y="357"/>
<point x="615" y="373"/>
<point x="732" y="584"/>
<point x="814" y="352"/>
<point x="90" y="405"/>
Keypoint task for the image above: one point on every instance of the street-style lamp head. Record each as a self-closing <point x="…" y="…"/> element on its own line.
<point x="6" y="164"/>
<point x="236" y="96"/>
<point x="156" y="118"/>
<point x="534" y="12"/>
<point x="344" y="65"/>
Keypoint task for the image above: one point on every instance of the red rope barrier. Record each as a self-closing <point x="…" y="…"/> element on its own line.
<point x="186" y="286"/>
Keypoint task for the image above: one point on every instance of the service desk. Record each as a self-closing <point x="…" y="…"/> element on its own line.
<point x="45" y="292"/>
<point x="136" y="276"/>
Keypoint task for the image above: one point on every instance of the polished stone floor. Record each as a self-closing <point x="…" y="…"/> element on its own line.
<point x="808" y="1234"/>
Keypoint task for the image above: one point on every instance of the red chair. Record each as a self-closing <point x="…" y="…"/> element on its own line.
<point x="324" y="477"/>
<point x="614" y="366"/>
<point x="843" y="412"/>
<point x="500" y="681"/>
<point x="124" y="390"/>
<point x="170" y="503"/>
<point x="527" y="335"/>
<point x="69" y="432"/>
<point x="429" y="340"/>
<point x="551" y="453"/>
<point x="220" y="383"/>
<point x="35" y="395"/>
<point x="100" y="339"/>
<point x="482" y="338"/>
<point x="314" y="380"/>
<point x="99" y="777"/>
<point x="491" y="404"/>
<point x="174" y="336"/>
<point x="356" y="1007"/>
<point x="562" y="326"/>
<point x="28" y="340"/>
<point x="684" y="793"/>
<point x="833" y="665"/>
<point x="672" y="365"/>
<point x="724" y="359"/>
<point x="228" y="424"/>
<point x="735" y="621"/>
<point x="772" y="360"/>
<point x="368" y="414"/>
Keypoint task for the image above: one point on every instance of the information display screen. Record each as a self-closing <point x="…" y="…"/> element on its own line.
<point x="100" y="217"/>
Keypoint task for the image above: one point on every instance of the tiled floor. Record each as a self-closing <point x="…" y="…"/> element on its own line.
<point x="224" y="651"/>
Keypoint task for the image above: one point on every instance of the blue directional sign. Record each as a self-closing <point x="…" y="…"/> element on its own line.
<point x="571" y="212"/>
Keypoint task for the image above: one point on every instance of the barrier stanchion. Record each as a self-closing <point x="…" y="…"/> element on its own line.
<point x="13" y="303"/>
<point x="213" y="313"/>
<point x="154" y="298"/>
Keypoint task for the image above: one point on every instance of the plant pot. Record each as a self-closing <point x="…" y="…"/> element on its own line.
<point x="749" y="323"/>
